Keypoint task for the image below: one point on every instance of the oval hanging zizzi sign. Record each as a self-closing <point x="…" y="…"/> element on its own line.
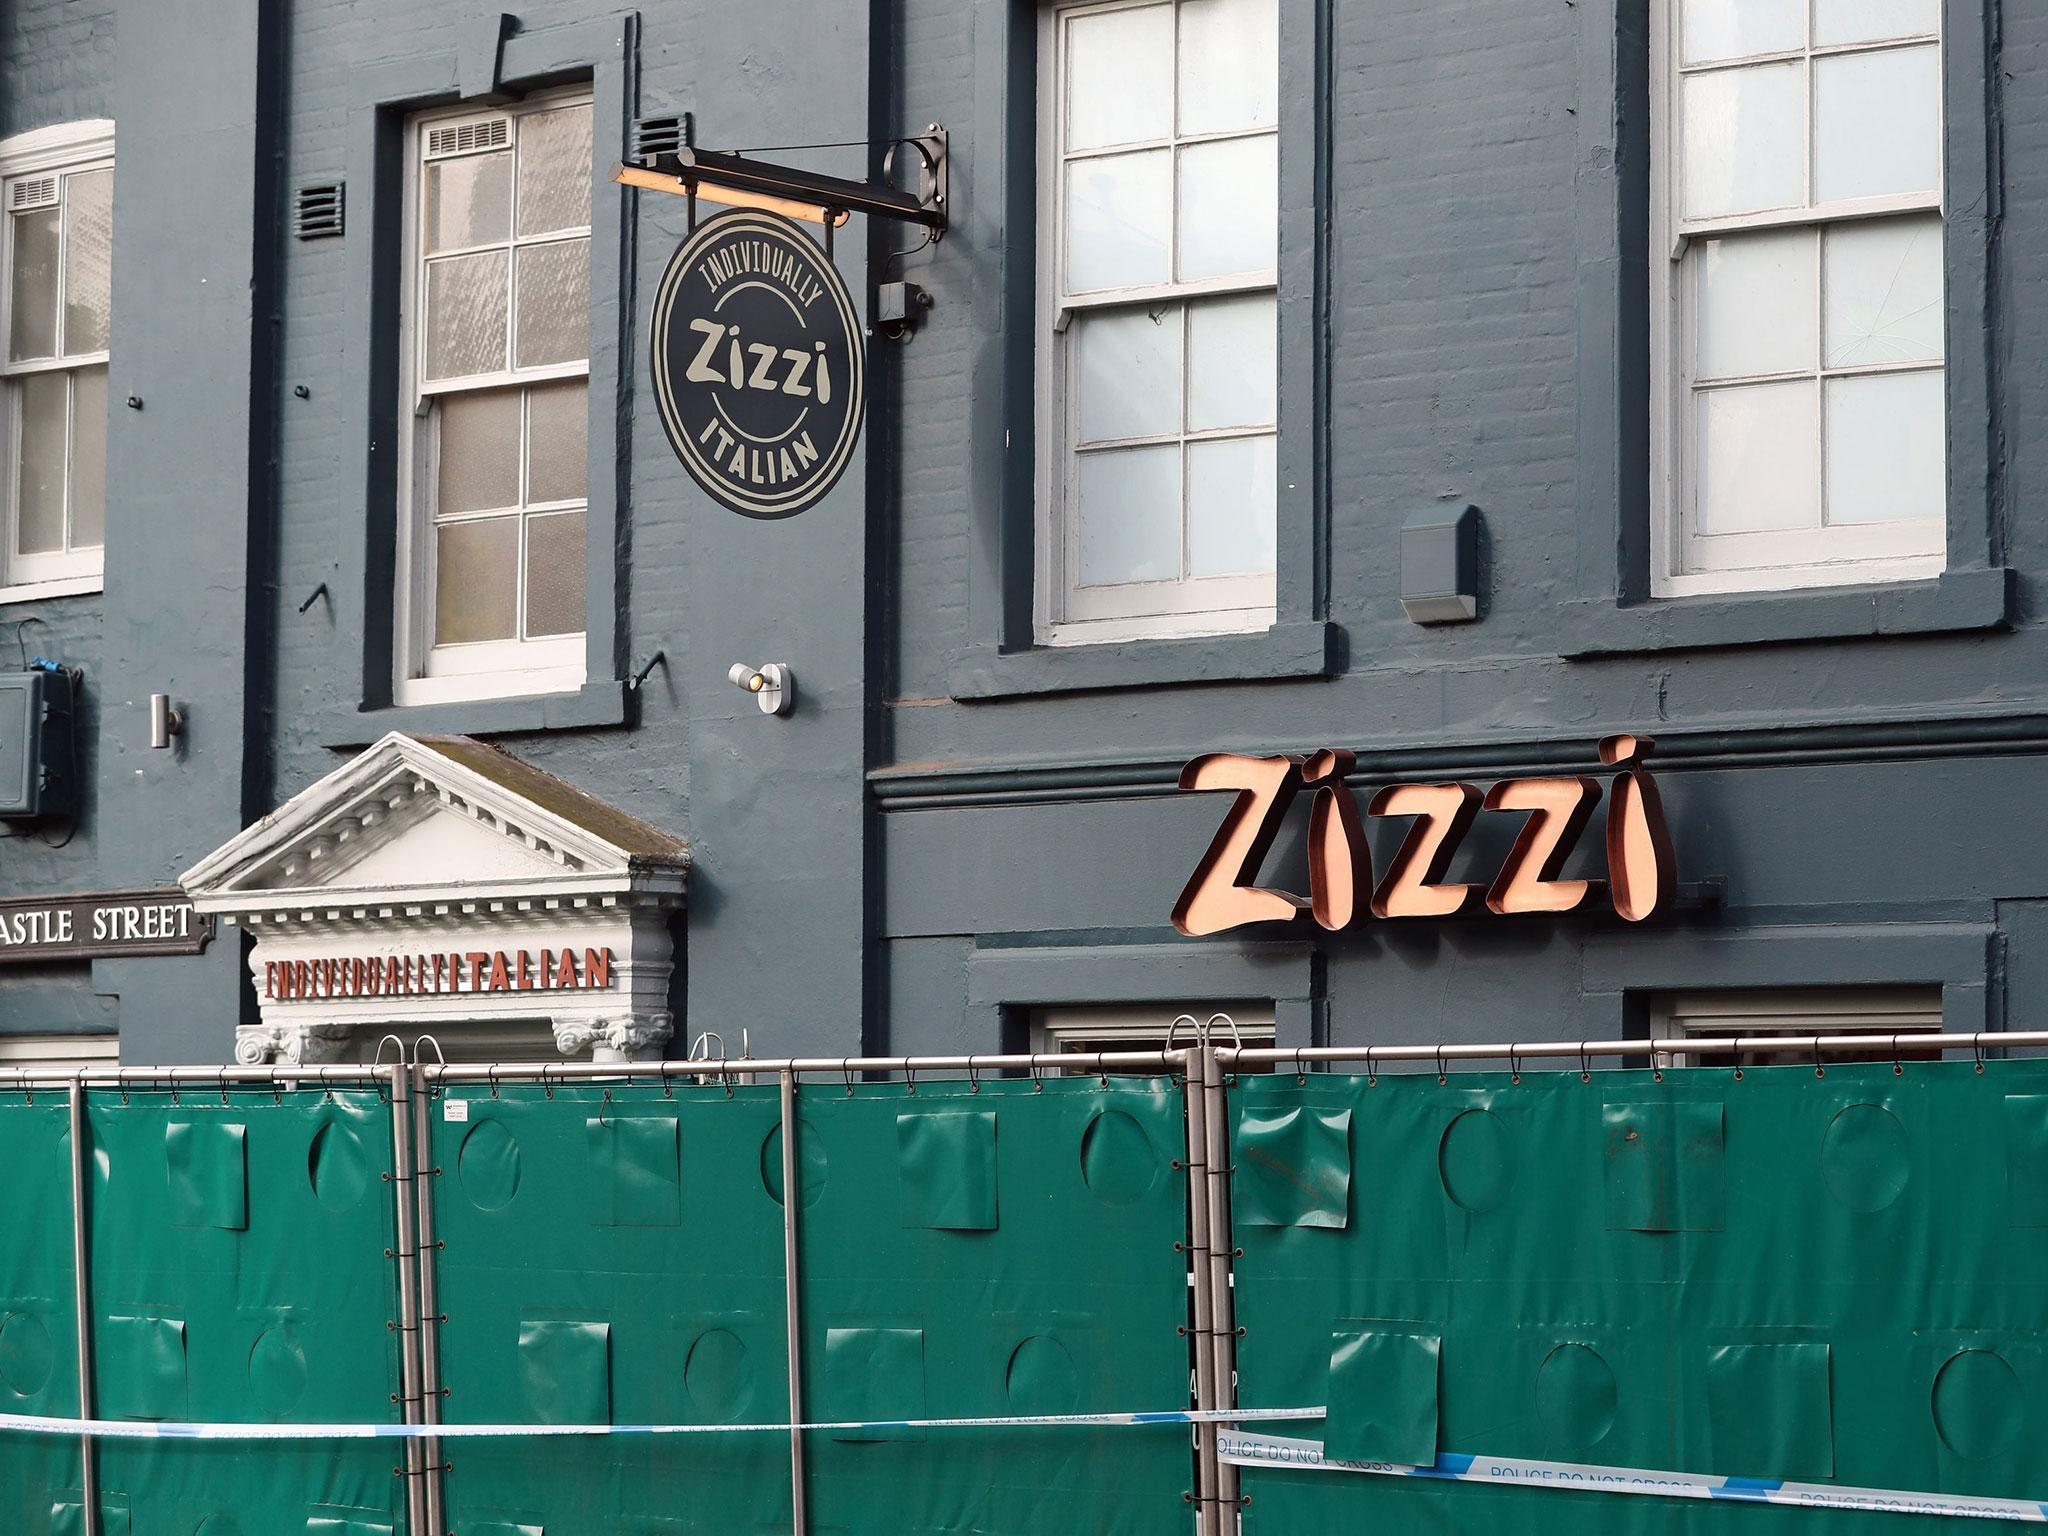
<point x="758" y="363"/>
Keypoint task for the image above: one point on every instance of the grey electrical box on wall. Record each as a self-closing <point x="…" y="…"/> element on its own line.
<point x="37" y="774"/>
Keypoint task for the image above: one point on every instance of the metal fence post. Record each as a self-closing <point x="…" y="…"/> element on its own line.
<point x="1202" y="1317"/>
<point x="425" y="1173"/>
<point x="793" y="1310"/>
<point x="89" y="1472"/>
<point x="1222" y="1252"/>
<point x="408" y="1324"/>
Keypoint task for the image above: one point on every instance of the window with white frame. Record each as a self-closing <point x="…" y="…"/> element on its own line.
<point x="1157" y="280"/>
<point x="59" y="1052"/>
<point x="1084" y="1029"/>
<point x="1799" y="1011"/>
<point x="57" y="254"/>
<point x="492" y="532"/>
<point x="1799" y="433"/>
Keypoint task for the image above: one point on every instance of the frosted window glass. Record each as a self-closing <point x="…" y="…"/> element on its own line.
<point x="479" y="451"/>
<point x="1884" y="292"/>
<point x="554" y="574"/>
<point x="1757" y="463"/>
<point x="1117" y="218"/>
<point x="88" y="260"/>
<point x="554" y="170"/>
<point x="1130" y="515"/>
<point x="1230" y="506"/>
<point x="1866" y="21"/>
<point x="1744" y="138"/>
<point x="1129" y="372"/>
<point x="558" y="441"/>
<point x="1229" y="207"/>
<point x="469" y="201"/>
<point x="476" y="581"/>
<point x="1756" y="306"/>
<point x="1229" y="65"/>
<point x="1734" y="29"/>
<point x="1877" y="123"/>
<point x="39" y="487"/>
<point x="32" y="330"/>
<point x="1231" y="364"/>
<point x="554" y="304"/>
<point x="1119" y="80"/>
<point x="88" y="457"/>
<point x="466" y="323"/>
<point x="1886" y="450"/>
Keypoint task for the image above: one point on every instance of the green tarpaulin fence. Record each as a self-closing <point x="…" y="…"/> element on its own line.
<point x="1781" y="1275"/>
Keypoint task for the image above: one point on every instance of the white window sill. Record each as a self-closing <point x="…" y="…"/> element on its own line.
<point x="57" y="586"/>
<point x="480" y="687"/>
<point x="1170" y="626"/>
<point x="1796" y="578"/>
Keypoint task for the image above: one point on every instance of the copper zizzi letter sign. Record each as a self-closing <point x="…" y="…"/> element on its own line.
<point x="1641" y="869"/>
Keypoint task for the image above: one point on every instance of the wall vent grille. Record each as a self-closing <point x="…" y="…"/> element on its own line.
<point x="317" y="211"/>
<point x="469" y="138"/>
<point x="31" y="192"/>
<point x="658" y="136"/>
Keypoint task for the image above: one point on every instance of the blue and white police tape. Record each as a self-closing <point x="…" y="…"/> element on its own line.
<point x="1244" y="1449"/>
<point x="123" y="1429"/>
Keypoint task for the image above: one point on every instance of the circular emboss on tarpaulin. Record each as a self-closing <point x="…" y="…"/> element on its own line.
<point x="759" y="368"/>
<point x="27" y="1354"/>
<point x="1865" y="1158"/>
<point x="1476" y="1161"/>
<point x="1979" y="1406"/>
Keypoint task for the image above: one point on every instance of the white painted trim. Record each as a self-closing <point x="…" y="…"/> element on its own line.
<point x="68" y="586"/>
<point x="57" y="146"/>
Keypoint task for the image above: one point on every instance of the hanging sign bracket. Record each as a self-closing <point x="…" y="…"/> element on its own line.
<point x="735" y="180"/>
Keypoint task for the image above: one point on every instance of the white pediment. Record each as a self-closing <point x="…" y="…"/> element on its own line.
<point x="425" y="822"/>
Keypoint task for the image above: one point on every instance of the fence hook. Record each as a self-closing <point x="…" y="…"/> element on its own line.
<point x="1818" y="1069"/>
<point x="724" y="1077"/>
<point x="223" y="1085"/>
<point x="1442" y="1077"/>
<point x="491" y="1077"/>
<point x="668" y="1089"/>
<point x="846" y="1071"/>
<point x="1372" y="1076"/>
<point x="1585" y="1063"/>
<point x="1037" y="1076"/>
<point x="909" y="1078"/>
<point x="1514" y="1063"/>
<point x="973" y="1076"/>
<point x="1300" y="1067"/>
<point x="1977" y="1048"/>
<point x="547" y="1082"/>
<point x="1898" y="1066"/>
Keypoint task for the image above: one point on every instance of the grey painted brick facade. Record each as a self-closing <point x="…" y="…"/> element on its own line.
<point x="1864" y="769"/>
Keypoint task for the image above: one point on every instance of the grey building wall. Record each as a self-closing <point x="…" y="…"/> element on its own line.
<point x="918" y="855"/>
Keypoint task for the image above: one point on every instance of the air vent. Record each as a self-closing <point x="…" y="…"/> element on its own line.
<point x="316" y="211"/>
<point x="31" y="192"/>
<point x="659" y="136"/>
<point x="469" y="138"/>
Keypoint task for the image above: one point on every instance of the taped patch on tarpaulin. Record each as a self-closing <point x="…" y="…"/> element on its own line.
<point x="335" y="1520"/>
<point x="140" y="1368"/>
<point x="1770" y="1411"/>
<point x="1664" y="1167"/>
<point x="28" y="1353"/>
<point x="1293" y="1168"/>
<point x="872" y="1374"/>
<point x="946" y="1169"/>
<point x="67" y="1514"/>
<point x="208" y="1174"/>
<point x="2026" y="1159"/>
<point x="1383" y="1404"/>
<point x="565" y="1371"/>
<point x="635" y="1170"/>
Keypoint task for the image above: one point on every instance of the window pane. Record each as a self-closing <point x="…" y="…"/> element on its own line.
<point x="1129" y="372"/>
<point x="1231" y="364"/>
<point x="1229" y="65"/>
<point x="1863" y="21"/>
<point x="1758" y="457"/>
<point x="554" y="304"/>
<point x="1877" y="123"/>
<point x="1117" y="218"/>
<point x="1230" y="506"/>
<point x="32" y="332"/>
<point x="1757" y="308"/>
<point x="88" y="260"/>
<point x="88" y="457"/>
<point x="1887" y="457"/>
<point x="1744" y="139"/>
<point x="466" y="301"/>
<point x="1119" y="79"/>
<point x="554" y="170"/>
<point x="476" y="581"/>
<point x="479" y="446"/>
<point x="469" y="201"/>
<point x="40" y="487"/>
<point x="1130" y="515"/>
<point x="554" y="575"/>
<point x="558" y="440"/>
<point x="1229" y="207"/>
<point x="1734" y="29"/>
<point x="1884" y="292"/>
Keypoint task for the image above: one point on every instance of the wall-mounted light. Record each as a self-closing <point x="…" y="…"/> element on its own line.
<point x="772" y="686"/>
<point x="165" y="720"/>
